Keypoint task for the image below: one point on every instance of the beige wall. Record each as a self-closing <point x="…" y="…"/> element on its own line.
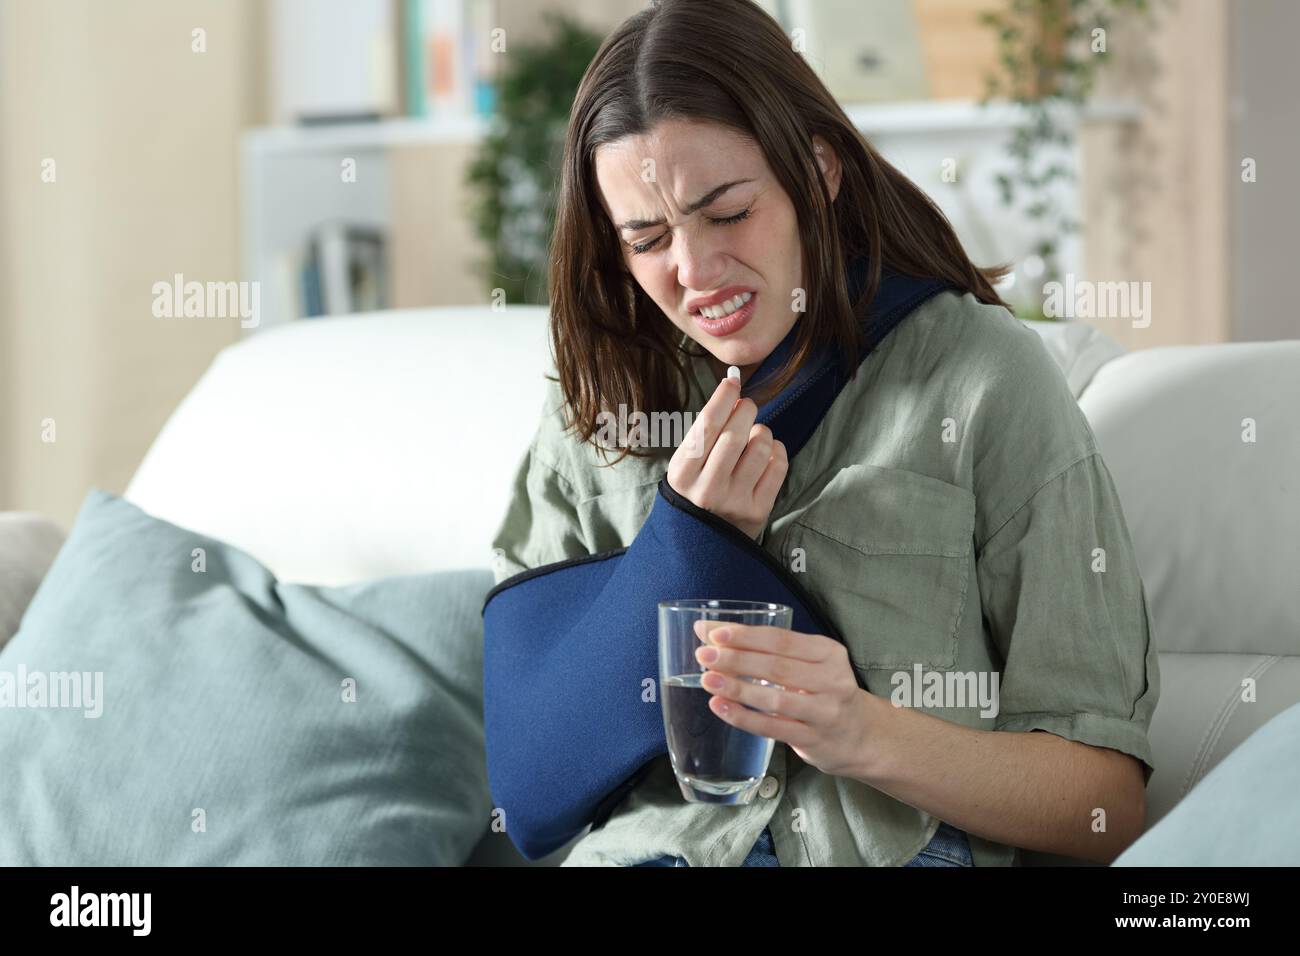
<point x="1156" y="192"/>
<point x="143" y="134"/>
<point x="959" y="50"/>
<point x="436" y="253"/>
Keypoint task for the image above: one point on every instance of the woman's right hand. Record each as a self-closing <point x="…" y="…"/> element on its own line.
<point x="726" y="464"/>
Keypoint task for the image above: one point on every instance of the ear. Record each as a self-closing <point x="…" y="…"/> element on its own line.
<point x="829" y="163"/>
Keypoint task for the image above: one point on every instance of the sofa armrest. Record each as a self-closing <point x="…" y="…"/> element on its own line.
<point x="28" y="544"/>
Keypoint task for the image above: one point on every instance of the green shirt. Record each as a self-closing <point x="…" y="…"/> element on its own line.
<point x="951" y="510"/>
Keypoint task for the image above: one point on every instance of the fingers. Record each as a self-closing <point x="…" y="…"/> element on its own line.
<point x="769" y="484"/>
<point x="704" y="430"/>
<point x="780" y="641"/>
<point x="753" y="461"/>
<point x="729" y="446"/>
<point x="703" y="628"/>
<point x="728" y="465"/>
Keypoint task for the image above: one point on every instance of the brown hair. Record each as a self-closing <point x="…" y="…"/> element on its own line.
<point x="612" y="343"/>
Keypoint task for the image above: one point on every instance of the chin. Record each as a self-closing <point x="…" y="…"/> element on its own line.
<point x="742" y="350"/>
<point x="743" y="358"/>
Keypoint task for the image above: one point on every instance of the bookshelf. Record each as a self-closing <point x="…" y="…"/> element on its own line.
<point x="940" y="116"/>
<point x="291" y="180"/>
<point x="377" y="135"/>
<point x="927" y="116"/>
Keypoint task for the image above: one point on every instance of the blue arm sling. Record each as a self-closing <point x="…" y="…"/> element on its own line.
<point x="570" y="647"/>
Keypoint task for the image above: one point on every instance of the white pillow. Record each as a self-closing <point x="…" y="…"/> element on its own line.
<point x="1215" y="517"/>
<point x="336" y="450"/>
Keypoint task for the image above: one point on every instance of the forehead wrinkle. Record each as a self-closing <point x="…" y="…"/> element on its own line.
<point x="623" y="166"/>
<point x="674" y="158"/>
<point x="654" y="194"/>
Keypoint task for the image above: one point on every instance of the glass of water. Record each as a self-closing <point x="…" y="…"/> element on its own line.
<point x="714" y="762"/>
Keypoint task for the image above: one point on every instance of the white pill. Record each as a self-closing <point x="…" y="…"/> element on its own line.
<point x="733" y="371"/>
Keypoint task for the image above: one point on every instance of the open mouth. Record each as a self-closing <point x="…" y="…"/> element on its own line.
<point x="727" y="317"/>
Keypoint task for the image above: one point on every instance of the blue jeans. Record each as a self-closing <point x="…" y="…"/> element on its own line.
<point x="763" y="854"/>
<point x="949" y="847"/>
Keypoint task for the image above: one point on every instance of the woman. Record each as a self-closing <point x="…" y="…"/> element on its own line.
<point x="974" y="671"/>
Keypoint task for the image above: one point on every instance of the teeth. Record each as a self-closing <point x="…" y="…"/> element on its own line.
<point x="726" y="308"/>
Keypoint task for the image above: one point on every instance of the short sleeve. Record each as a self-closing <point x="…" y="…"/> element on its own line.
<point x="1067" y="610"/>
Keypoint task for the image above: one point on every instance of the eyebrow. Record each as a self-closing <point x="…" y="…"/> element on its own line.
<point x="690" y="208"/>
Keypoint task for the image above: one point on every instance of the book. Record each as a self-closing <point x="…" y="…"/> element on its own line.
<point x="345" y="270"/>
<point x="448" y="65"/>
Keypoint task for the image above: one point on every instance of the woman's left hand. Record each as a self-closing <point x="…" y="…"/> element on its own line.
<point x="821" y="713"/>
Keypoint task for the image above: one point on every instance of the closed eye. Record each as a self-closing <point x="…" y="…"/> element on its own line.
<point x="729" y="221"/>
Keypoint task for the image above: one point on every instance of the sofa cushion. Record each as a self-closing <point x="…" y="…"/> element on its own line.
<point x="1244" y="813"/>
<point x="210" y="715"/>
<point x="1204" y="445"/>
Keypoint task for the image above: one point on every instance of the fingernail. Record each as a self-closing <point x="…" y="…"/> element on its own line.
<point x="721" y="635"/>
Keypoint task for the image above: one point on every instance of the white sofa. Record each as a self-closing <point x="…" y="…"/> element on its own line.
<point x="336" y="450"/>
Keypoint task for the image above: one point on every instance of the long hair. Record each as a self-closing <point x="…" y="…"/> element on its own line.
<point x="612" y="344"/>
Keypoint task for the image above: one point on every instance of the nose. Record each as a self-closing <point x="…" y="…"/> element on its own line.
<point x="700" y="258"/>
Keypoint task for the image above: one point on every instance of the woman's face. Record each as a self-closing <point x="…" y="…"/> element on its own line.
<point x="702" y="220"/>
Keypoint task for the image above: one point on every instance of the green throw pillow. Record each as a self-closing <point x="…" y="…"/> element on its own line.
<point x="167" y="702"/>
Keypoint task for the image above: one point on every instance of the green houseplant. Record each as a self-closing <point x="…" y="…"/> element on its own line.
<point x="1050" y="53"/>
<point x="512" y="177"/>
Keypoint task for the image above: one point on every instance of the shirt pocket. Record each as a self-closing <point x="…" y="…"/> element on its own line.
<point x="887" y="554"/>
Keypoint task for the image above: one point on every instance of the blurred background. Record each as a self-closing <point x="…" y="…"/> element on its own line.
<point x="344" y="156"/>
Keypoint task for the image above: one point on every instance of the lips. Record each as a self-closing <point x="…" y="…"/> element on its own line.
<point x="728" y="324"/>
<point x="722" y="295"/>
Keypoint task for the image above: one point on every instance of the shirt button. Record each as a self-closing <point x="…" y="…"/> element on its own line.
<point x="768" y="788"/>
